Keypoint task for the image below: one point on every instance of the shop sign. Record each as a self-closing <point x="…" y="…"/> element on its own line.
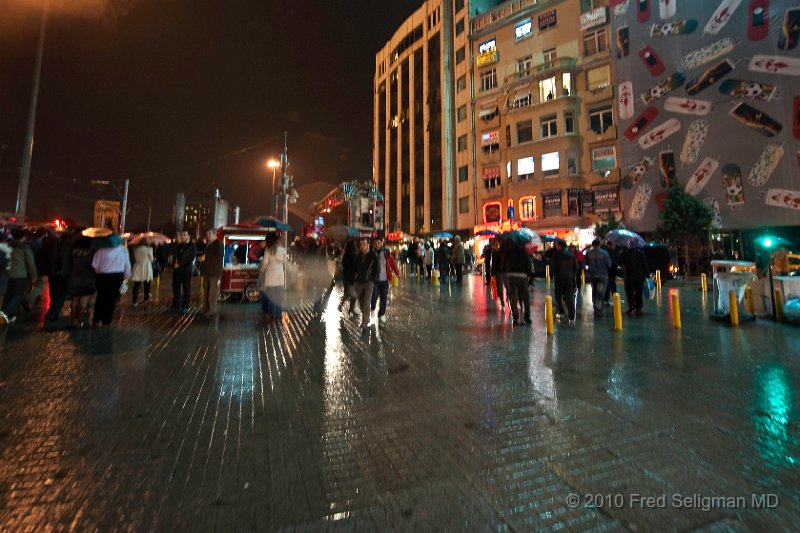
<point x="587" y="202"/>
<point x="551" y="202"/>
<point x="548" y="19"/>
<point x="499" y="227"/>
<point x="606" y="197"/>
<point x="492" y="213"/>
<point x="595" y="17"/>
<point x="395" y="236"/>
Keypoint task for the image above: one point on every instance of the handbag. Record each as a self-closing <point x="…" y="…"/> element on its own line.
<point x="649" y="289"/>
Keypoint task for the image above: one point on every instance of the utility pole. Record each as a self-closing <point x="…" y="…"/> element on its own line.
<point x="149" y="212"/>
<point x="285" y="187"/>
<point x="124" y="208"/>
<point x="27" y="154"/>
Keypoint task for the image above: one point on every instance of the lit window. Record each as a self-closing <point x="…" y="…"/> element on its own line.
<point x="491" y="177"/>
<point x="525" y="168"/>
<point x="527" y="208"/>
<point x="551" y="164"/>
<point x="547" y="89"/>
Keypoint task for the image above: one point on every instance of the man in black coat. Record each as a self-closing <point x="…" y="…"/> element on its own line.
<point x="564" y="268"/>
<point x="611" y="286"/>
<point x="367" y="270"/>
<point x="518" y="271"/>
<point x="183" y="268"/>
<point x="634" y="266"/>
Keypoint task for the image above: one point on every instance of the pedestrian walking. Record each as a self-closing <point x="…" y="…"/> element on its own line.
<point x="142" y="274"/>
<point x="380" y="289"/>
<point x="81" y="281"/>
<point x="113" y="267"/>
<point x="21" y="275"/>
<point x="458" y="258"/>
<point x="272" y="274"/>
<point x="486" y="255"/>
<point x="185" y="254"/>
<point x="58" y="277"/>
<point x="367" y="271"/>
<point x="443" y="260"/>
<point x="564" y="268"/>
<point x="44" y="247"/>
<point x="212" y="272"/>
<point x="5" y="268"/>
<point x="611" y="286"/>
<point x="580" y="259"/>
<point x="349" y="277"/>
<point x="635" y="270"/>
<point x="429" y="258"/>
<point x="519" y="270"/>
<point x="498" y="270"/>
<point x="598" y="264"/>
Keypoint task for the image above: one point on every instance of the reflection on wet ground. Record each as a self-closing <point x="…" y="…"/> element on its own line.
<point x="447" y="418"/>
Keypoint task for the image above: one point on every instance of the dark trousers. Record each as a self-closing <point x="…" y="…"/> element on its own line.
<point x="598" y="291"/>
<point x="15" y="294"/>
<point x="611" y="288"/>
<point x="459" y="268"/>
<point x="633" y="292"/>
<point x="565" y="297"/>
<point x="136" y="285"/>
<point x="58" y="296"/>
<point x="518" y="294"/>
<point x="181" y="288"/>
<point x="380" y="290"/>
<point x="107" y="293"/>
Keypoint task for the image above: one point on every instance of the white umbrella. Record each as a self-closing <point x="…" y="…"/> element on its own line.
<point x="153" y="237"/>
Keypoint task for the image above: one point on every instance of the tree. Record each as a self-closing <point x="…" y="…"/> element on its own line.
<point x="608" y="223"/>
<point x="685" y="221"/>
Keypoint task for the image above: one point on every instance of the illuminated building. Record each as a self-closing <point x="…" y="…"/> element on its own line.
<point x="536" y="135"/>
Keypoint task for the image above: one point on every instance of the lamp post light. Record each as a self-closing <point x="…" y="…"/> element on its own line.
<point x="274" y="165"/>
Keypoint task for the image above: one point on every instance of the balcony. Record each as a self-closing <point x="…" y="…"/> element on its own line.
<point x="592" y="136"/>
<point x="544" y="70"/>
<point x="591" y="96"/>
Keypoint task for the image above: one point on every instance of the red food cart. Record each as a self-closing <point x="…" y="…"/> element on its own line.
<point x="244" y="247"/>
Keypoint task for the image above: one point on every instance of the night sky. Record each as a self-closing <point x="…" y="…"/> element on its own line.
<point x="163" y="91"/>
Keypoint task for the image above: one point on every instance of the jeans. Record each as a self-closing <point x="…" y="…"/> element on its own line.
<point x="58" y="297"/>
<point x="611" y="288"/>
<point x="107" y="293"/>
<point x="598" y="292"/>
<point x="364" y="296"/>
<point x="181" y="288"/>
<point x="633" y="293"/>
<point x="15" y="294"/>
<point x="518" y="294"/>
<point x="565" y="297"/>
<point x="380" y="290"/>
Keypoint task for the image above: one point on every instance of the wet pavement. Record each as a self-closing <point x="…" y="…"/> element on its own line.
<point x="446" y="418"/>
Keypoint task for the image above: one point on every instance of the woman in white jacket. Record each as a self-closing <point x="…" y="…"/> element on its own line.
<point x="142" y="270"/>
<point x="272" y="277"/>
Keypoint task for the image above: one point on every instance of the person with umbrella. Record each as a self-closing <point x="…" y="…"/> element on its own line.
<point x="458" y="259"/>
<point x="635" y="270"/>
<point x="112" y="264"/>
<point x="564" y="267"/>
<point x="21" y="274"/>
<point x="598" y="263"/>
<point x="182" y="268"/>
<point x="518" y="272"/>
<point x="142" y="270"/>
<point x="81" y="279"/>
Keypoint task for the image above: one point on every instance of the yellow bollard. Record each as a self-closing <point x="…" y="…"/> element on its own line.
<point x="419" y="275"/>
<point x="202" y="290"/>
<point x="157" y="288"/>
<point x="658" y="279"/>
<point x="778" y="305"/>
<point x="548" y="314"/>
<point x="703" y="283"/>
<point x="748" y="301"/>
<point x="547" y="274"/>
<point x="734" y="308"/>
<point x="617" y="312"/>
<point x="434" y="277"/>
<point x="676" y="310"/>
<point x="583" y="278"/>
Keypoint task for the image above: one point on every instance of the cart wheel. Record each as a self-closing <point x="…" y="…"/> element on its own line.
<point x="224" y="297"/>
<point x="251" y="293"/>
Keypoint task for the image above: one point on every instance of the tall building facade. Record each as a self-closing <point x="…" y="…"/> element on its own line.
<point x="537" y="141"/>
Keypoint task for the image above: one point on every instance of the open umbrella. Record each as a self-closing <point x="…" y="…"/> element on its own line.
<point x="442" y="235"/>
<point x="625" y="237"/>
<point x="549" y="238"/>
<point x="525" y="236"/>
<point x="153" y="237"/>
<point x="340" y="234"/>
<point x="270" y="222"/>
<point x="486" y="233"/>
<point x="102" y="238"/>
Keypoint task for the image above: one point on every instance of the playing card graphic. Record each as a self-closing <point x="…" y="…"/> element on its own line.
<point x="687" y="106"/>
<point x="721" y="16"/>
<point x="783" y="198"/>
<point x="659" y="133"/>
<point x="702" y="175"/>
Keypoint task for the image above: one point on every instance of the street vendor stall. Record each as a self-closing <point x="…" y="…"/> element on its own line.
<point x="244" y="247"/>
<point x="730" y="276"/>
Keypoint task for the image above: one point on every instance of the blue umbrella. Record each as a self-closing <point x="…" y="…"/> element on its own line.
<point x="625" y="237"/>
<point x="486" y="233"/>
<point x="442" y="235"/>
<point x="550" y="238"/>
<point x="270" y="222"/>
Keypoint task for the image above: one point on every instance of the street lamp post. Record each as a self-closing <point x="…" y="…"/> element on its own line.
<point x="274" y="165"/>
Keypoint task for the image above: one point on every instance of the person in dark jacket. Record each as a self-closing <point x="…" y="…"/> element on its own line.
<point x="349" y="276"/>
<point x="634" y="266"/>
<point x="183" y="267"/>
<point x="518" y="271"/>
<point x="21" y="275"/>
<point x="367" y="270"/>
<point x="611" y="286"/>
<point x="81" y="283"/>
<point x="598" y="263"/>
<point x="59" y="276"/>
<point x="498" y="268"/>
<point x="212" y="272"/>
<point x="443" y="260"/>
<point x="564" y="267"/>
<point x="458" y="259"/>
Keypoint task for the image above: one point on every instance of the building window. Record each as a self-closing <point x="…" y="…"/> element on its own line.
<point x="523" y="29"/>
<point x="549" y="57"/>
<point x="524" y="65"/>
<point x="587" y="5"/>
<point x="491" y="177"/>
<point x="522" y="98"/>
<point x="569" y="122"/>
<point x="524" y="131"/>
<point x="488" y="80"/>
<point x="461" y="84"/>
<point x="600" y="119"/>
<point x="490" y="142"/>
<point x="462" y="143"/>
<point x="462" y="113"/>
<point x="547" y="89"/>
<point x="459" y="5"/>
<point x="525" y="168"/>
<point x="598" y="78"/>
<point x="604" y="160"/>
<point x="572" y="162"/>
<point x="551" y="165"/>
<point x="460" y="54"/>
<point x="527" y="208"/>
<point x="463" y="204"/>
<point x="460" y="27"/>
<point x="463" y="174"/>
<point x="549" y="126"/>
<point x="595" y="42"/>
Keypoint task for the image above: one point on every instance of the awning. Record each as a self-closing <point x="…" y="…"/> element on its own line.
<point x="491" y="172"/>
<point x="486" y="112"/>
<point x="522" y="92"/>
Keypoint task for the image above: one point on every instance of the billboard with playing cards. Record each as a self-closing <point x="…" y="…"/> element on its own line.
<point x="709" y="98"/>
